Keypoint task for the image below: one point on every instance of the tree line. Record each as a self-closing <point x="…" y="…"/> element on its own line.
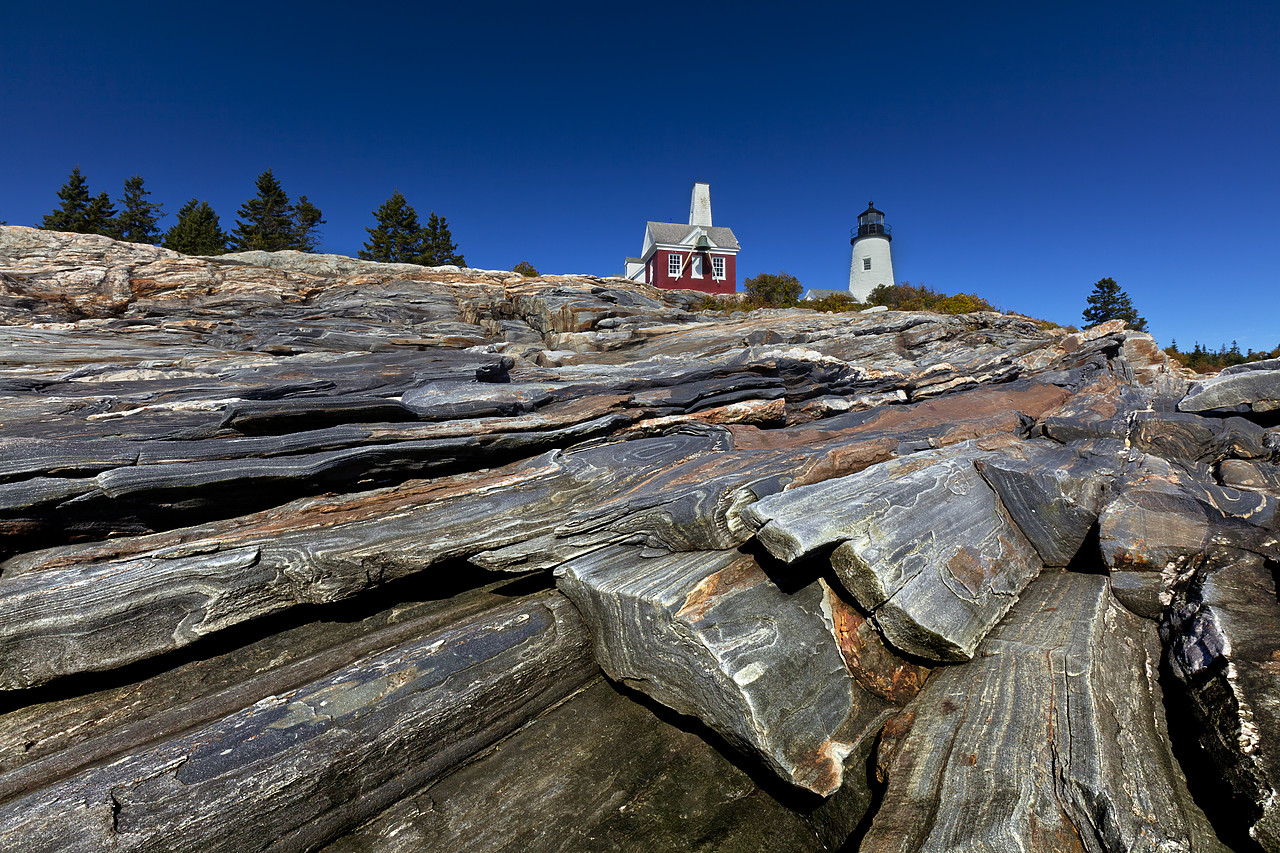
<point x="1204" y="360"/>
<point x="269" y="222"/>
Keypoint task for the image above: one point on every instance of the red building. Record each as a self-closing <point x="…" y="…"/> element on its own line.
<point x="697" y="256"/>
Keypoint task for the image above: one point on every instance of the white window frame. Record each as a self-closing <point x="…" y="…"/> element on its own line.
<point x="673" y="264"/>
<point x="866" y="264"/>
<point x="717" y="267"/>
<point x="695" y="267"/>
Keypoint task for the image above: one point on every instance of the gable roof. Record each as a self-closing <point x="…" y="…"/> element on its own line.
<point x="674" y="233"/>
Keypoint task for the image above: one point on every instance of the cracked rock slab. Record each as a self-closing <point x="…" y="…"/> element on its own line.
<point x="93" y="607"/>
<point x="298" y="768"/>
<point x="922" y="542"/>
<point x="1054" y="493"/>
<point x="1163" y="518"/>
<point x="1222" y="633"/>
<point x="1052" y="739"/>
<point x="792" y="677"/>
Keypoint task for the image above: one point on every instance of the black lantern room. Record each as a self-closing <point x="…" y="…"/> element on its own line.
<point x="871" y="221"/>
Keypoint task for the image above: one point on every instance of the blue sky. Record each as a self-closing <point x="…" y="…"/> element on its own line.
<point x="1020" y="151"/>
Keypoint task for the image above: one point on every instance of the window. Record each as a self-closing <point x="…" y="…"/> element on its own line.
<point x="866" y="263"/>
<point x="717" y="268"/>
<point x="673" y="264"/>
<point x="697" y="266"/>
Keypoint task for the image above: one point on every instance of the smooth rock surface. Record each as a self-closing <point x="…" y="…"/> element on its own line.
<point x="598" y="772"/>
<point x="1163" y="518"/>
<point x="1054" y="494"/>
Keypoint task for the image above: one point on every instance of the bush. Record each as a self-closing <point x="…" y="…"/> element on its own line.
<point x="837" y="303"/>
<point x="917" y="297"/>
<point x="526" y="269"/>
<point x="773" y="290"/>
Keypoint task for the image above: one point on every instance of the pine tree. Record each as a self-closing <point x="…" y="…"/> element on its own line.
<point x="100" y="218"/>
<point x="438" y="247"/>
<point x="265" y="222"/>
<point x="397" y="235"/>
<point x="138" y="217"/>
<point x="70" y="213"/>
<point x="306" y="225"/>
<point x="197" y="231"/>
<point x="1109" y="302"/>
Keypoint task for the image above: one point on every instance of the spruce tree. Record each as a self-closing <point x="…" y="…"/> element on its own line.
<point x="266" y="221"/>
<point x="306" y="225"/>
<point x="438" y="247"/>
<point x="397" y="235"/>
<point x="73" y="207"/>
<point x="100" y="218"/>
<point x="138" y="217"/>
<point x="1109" y="302"/>
<point x="197" y="231"/>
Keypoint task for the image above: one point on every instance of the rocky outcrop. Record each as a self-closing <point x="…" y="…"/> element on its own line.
<point x="1053" y="739"/>
<point x="301" y="552"/>
<point x="712" y="636"/>
<point x="1223" y="631"/>
<point x="1246" y="387"/>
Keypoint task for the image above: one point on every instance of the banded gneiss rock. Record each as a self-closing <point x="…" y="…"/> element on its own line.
<point x="302" y="552"/>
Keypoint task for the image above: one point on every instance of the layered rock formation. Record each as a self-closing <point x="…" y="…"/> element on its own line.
<point x="302" y="553"/>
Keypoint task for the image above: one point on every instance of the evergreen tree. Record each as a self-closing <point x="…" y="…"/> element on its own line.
<point x="526" y="269"/>
<point x="306" y="225"/>
<point x="197" y="231"/>
<point x="397" y="235"/>
<point x="266" y="221"/>
<point x="1109" y="302"/>
<point x="138" y="217"/>
<point x="438" y="247"/>
<point x="100" y="218"/>
<point x="71" y="212"/>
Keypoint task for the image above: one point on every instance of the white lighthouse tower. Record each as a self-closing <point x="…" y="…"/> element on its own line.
<point x="872" y="263"/>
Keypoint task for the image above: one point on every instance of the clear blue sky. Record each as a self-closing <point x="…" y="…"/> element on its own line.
<point x="1020" y="151"/>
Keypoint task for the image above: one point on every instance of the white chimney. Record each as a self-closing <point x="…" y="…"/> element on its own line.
<point x="700" y="205"/>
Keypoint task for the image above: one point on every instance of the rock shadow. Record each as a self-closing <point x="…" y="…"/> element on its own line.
<point x="1205" y="782"/>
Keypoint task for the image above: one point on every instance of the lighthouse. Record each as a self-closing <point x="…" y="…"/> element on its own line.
<point x="872" y="263"/>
